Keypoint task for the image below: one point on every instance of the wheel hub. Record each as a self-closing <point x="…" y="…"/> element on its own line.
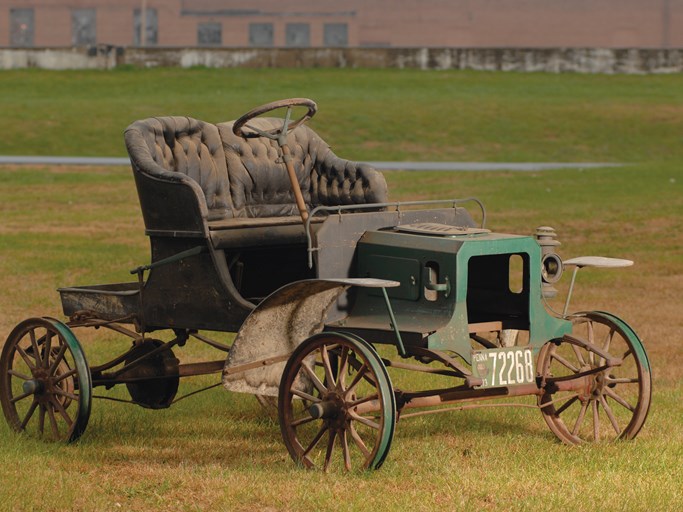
<point x="34" y="386"/>
<point x="587" y="385"/>
<point x="599" y="384"/>
<point x="333" y="409"/>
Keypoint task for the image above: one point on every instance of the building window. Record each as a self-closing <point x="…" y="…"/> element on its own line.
<point x="209" y="34"/>
<point x="297" y="34"/>
<point x="151" y="27"/>
<point x="21" y="27"/>
<point x="260" y="34"/>
<point x="83" y="27"/>
<point x="336" y="34"/>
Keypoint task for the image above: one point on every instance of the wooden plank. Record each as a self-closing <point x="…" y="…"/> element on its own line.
<point x="485" y="326"/>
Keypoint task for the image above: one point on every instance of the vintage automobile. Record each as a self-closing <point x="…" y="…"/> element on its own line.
<point x="257" y="228"/>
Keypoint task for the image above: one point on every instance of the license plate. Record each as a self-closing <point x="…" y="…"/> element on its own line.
<point x="501" y="367"/>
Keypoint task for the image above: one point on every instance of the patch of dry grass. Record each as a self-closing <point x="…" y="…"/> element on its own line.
<point x="221" y="451"/>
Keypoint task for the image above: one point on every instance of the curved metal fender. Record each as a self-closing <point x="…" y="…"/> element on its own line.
<point x="278" y="325"/>
<point x="638" y="345"/>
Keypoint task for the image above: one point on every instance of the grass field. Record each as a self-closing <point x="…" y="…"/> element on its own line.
<point x="365" y="114"/>
<point x="220" y="451"/>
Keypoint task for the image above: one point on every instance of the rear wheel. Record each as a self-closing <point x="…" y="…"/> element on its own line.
<point x="614" y="400"/>
<point x="46" y="385"/>
<point x="336" y="406"/>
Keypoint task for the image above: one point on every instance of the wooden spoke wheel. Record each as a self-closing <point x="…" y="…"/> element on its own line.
<point x="613" y="401"/>
<point x="46" y="386"/>
<point x="336" y="408"/>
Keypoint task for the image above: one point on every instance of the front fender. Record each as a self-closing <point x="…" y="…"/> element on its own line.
<point x="278" y="325"/>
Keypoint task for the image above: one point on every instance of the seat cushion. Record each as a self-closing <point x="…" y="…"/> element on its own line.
<point x="259" y="183"/>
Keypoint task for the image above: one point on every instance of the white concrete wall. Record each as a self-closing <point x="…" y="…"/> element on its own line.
<point x="554" y="60"/>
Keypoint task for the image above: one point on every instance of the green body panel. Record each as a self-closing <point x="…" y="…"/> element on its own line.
<point x="403" y="270"/>
<point x="528" y="313"/>
<point x="376" y="250"/>
<point x="450" y="282"/>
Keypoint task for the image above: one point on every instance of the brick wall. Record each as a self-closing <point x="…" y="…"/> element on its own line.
<point x="378" y="23"/>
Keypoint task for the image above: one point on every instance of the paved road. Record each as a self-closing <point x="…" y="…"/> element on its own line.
<point x="399" y="166"/>
<point x="486" y="166"/>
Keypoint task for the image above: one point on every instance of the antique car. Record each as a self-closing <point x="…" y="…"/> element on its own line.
<point x="257" y="228"/>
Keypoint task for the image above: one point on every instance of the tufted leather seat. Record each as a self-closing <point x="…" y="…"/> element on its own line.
<point x="259" y="184"/>
<point x="246" y="178"/>
<point x="164" y="145"/>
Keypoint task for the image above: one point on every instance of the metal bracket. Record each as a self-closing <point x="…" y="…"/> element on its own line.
<point x="374" y="206"/>
<point x="399" y="341"/>
<point x="171" y="259"/>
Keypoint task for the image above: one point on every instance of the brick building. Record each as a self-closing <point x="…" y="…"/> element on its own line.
<point x="334" y="23"/>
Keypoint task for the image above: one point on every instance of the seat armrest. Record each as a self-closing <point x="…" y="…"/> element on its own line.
<point x="172" y="203"/>
<point x="344" y="182"/>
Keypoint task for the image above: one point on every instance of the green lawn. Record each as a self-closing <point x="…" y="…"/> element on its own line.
<point x="365" y="114"/>
<point x="220" y="451"/>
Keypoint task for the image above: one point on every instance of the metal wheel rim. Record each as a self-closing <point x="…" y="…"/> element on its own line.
<point x="619" y="397"/>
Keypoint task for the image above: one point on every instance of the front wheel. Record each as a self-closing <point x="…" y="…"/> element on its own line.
<point x="336" y="406"/>
<point x="46" y="384"/>
<point x="613" y="401"/>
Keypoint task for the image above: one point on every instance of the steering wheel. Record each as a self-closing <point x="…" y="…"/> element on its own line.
<point x="280" y="135"/>
<point x="275" y="133"/>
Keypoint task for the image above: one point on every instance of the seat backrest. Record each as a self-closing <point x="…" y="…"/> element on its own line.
<point x="188" y="146"/>
<point x="246" y="177"/>
<point x="259" y="183"/>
